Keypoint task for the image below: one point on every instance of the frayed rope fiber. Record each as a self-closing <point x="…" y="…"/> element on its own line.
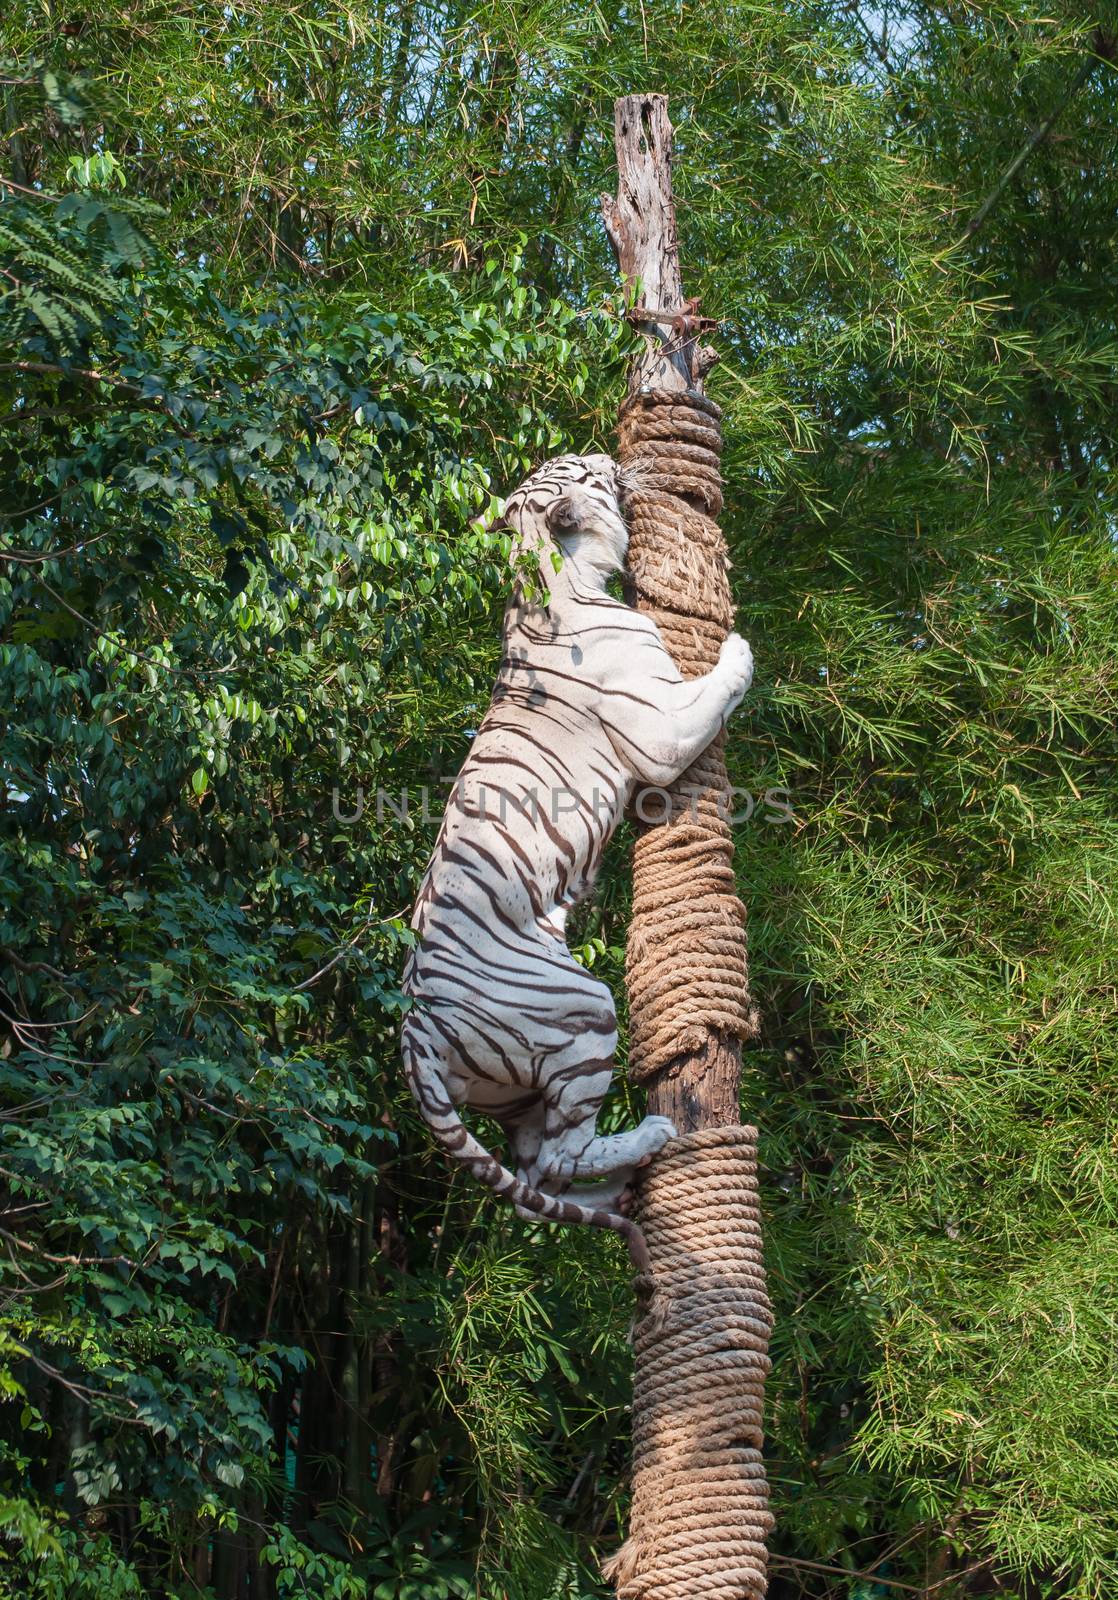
<point x="700" y="1498"/>
<point x="686" y="966"/>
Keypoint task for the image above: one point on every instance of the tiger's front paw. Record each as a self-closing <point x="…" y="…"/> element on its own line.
<point x="736" y="661"/>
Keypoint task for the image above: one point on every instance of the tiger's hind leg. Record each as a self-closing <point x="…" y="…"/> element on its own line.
<point x="614" y="1195"/>
<point x="524" y="1131"/>
<point x="573" y="1151"/>
<point x="526" y="1137"/>
<point x="555" y="1134"/>
<point x="581" y="1154"/>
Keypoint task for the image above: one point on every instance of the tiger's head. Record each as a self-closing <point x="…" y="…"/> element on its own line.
<point x="570" y="507"/>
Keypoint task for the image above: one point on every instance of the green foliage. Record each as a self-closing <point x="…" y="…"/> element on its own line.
<point x="289" y="292"/>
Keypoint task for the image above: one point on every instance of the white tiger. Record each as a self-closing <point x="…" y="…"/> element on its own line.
<point x="588" y="705"/>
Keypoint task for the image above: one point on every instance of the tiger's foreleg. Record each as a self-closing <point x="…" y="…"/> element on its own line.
<point x="672" y="720"/>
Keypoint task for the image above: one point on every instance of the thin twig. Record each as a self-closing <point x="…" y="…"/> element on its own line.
<point x="68" y="1261"/>
<point x="370" y="922"/>
<point x="33" y="966"/>
<point x="93" y="375"/>
<point x="80" y="1391"/>
<point x="32" y="1287"/>
<point x="44" y="1027"/>
<point x="871" y="1576"/>
<point x="36" y="194"/>
<point x="192" y="674"/>
<point x="34" y="558"/>
<point x="273" y="1292"/>
<point x="29" y="511"/>
<point x="57" y="369"/>
<point x="874" y="43"/>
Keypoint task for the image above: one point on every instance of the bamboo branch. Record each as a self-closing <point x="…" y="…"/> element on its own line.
<point x="1104" y="50"/>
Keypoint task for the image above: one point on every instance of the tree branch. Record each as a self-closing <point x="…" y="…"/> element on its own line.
<point x="1103" y="50"/>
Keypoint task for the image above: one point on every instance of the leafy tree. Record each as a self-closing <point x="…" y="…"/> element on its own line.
<point x="292" y="289"/>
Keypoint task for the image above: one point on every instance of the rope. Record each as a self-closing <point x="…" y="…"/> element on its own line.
<point x="686" y="965"/>
<point x="700" y="1499"/>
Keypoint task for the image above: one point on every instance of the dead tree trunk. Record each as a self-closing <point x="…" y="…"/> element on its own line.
<point x="700" y="1499"/>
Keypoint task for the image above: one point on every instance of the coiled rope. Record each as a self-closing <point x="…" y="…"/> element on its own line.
<point x="700" y="1497"/>
<point x="686" y="962"/>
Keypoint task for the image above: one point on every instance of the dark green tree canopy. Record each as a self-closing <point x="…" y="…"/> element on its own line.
<point x="290" y="292"/>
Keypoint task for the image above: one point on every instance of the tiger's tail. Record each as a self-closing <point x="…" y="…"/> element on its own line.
<point x="441" y="1116"/>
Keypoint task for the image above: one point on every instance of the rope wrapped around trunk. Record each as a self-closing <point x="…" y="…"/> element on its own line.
<point x="700" y="1497"/>
<point x="686" y="964"/>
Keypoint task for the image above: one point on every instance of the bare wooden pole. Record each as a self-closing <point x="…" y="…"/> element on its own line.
<point x="700" y="1499"/>
<point x="700" y="1088"/>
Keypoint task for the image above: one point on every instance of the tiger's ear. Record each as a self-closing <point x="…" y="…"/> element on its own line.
<point x="562" y="517"/>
